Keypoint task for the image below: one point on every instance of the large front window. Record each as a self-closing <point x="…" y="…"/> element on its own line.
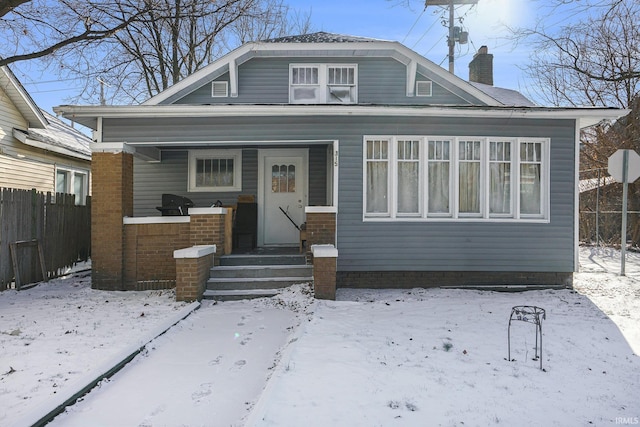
<point x="479" y="178"/>
<point x="323" y="83"/>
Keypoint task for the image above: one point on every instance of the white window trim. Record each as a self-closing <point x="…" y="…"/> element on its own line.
<point x="236" y="155"/>
<point x="323" y="82"/>
<point x="454" y="214"/>
<point x="71" y="184"/>
<point x="226" y="89"/>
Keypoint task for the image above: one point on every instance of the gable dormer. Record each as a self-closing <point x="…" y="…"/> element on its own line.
<point x="323" y="68"/>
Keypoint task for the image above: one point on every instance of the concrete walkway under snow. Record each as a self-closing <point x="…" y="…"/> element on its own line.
<point x="208" y="370"/>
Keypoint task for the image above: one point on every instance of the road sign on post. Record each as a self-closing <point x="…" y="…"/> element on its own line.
<point x="624" y="167"/>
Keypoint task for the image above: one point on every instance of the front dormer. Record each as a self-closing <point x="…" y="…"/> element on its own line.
<point x="323" y="83"/>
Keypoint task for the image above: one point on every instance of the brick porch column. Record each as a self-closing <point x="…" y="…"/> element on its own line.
<point x="112" y="199"/>
<point x="324" y="271"/>
<point x="208" y="227"/>
<point x="321" y="227"/>
<point x="192" y="271"/>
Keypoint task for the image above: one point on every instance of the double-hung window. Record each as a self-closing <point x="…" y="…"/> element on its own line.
<point x="377" y="177"/>
<point x="215" y="170"/>
<point x="76" y="182"/>
<point x="323" y="83"/>
<point x="457" y="178"/>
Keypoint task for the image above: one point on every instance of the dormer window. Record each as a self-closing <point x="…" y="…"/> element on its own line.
<point x="323" y="84"/>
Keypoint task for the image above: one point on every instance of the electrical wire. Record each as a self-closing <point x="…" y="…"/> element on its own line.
<point x="414" y="24"/>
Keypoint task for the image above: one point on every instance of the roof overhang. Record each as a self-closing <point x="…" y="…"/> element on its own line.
<point x="89" y="115"/>
<point x="24" y="138"/>
<point x="21" y="99"/>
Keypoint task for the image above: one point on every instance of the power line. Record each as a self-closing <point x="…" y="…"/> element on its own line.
<point x="48" y="81"/>
<point x="425" y="33"/>
<point x="414" y="24"/>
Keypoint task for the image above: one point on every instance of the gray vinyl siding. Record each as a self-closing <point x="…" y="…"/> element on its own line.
<point x="151" y="180"/>
<point x="380" y="81"/>
<point x="392" y="246"/>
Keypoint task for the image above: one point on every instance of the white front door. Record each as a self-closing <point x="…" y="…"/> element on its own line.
<point x="283" y="191"/>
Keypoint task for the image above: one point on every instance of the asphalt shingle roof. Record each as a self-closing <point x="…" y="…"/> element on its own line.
<point x="321" y="37"/>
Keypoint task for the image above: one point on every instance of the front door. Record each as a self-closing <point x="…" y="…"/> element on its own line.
<point x="284" y="191"/>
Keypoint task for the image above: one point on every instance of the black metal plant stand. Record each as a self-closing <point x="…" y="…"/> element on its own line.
<point x="530" y="314"/>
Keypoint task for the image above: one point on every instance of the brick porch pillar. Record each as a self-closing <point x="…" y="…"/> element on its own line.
<point x="192" y="271"/>
<point x="321" y="227"/>
<point x="112" y="199"/>
<point x="324" y="271"/>
<point x="208" y="227"/>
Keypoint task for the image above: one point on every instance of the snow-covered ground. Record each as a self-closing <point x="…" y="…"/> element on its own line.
<point x="372" y="358"/>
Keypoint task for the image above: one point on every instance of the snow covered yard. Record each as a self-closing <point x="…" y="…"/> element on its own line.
<point x="372" y="358"/>
<point x="57" y="333"/>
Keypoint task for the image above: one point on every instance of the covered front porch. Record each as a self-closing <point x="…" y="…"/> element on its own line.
<point x="292" y="191"/>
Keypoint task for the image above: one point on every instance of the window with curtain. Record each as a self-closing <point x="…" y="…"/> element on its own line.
<point x="469" y="177"/>
<point x="408" y="171"/>
<point x="377" y="174"/>
<point x="530" y="178"/>
<point x="488" y="178"/>
<point x="500" y="177"/>
<point x="438" y="167"/>
<point x="215" y="170"/>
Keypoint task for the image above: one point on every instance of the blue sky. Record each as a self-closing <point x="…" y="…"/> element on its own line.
<point x="418" y="29"/>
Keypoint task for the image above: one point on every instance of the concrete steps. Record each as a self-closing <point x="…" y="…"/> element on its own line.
<point x="256" y="276"/>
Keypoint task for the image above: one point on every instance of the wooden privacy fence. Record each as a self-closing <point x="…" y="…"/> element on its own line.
<point x="41" y="232"/>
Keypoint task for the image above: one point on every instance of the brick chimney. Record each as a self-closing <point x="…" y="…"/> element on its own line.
<point x="481" y="67"/>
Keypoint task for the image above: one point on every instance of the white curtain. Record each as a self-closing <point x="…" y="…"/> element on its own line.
<point x="438" y="187"/>
<point x="500" y="188"/>
<point x="408" y="187"/>
<point x="469" y="187"/>
<point x="377" y="178"/>
<point x="530" y="188"/>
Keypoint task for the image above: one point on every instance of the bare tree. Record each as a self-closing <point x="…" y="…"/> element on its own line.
<point x="594" y="61"/>
<point x="31" y="29"/>
<point x="173" y="40"/>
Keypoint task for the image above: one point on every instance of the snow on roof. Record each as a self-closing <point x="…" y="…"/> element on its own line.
<point x="60" y="135"/>
<point x="593" y="183"/>
<point x="508" y="97"/>
<point x="321" y="37"/>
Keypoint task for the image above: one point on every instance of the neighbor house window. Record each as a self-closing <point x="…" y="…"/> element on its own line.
<point x="464" y="178"/>
<point x="76" y="182"/>
<point x="215" y="170"/>
<point x="323" y="83"/>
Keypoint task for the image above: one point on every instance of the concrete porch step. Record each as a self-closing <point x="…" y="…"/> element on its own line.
<point x="238" y="294"/>
<point x="255" y="283"/>
<point x="260" y="271"/>
<point x="245" y="260"/>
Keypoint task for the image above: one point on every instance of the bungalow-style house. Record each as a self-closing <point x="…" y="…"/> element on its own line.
<point x="37" y="150"/>
<point x="404" y="174"/>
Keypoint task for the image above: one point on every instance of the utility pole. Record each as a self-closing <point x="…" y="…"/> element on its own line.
<point x="455" y="34"/>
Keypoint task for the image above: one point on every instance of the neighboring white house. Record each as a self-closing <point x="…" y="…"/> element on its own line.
<point x="37" y="150"/>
